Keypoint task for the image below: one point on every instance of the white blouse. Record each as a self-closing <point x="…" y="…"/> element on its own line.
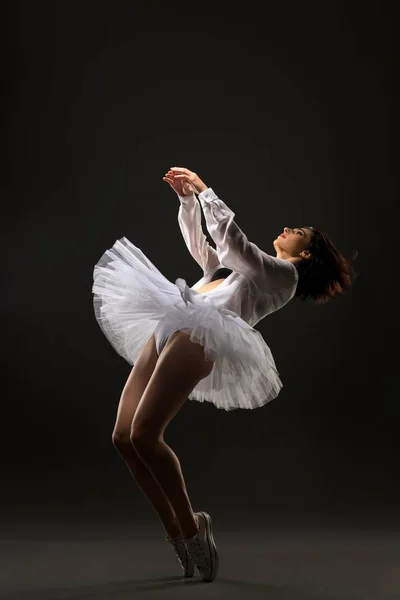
<point x="259" y="284"/>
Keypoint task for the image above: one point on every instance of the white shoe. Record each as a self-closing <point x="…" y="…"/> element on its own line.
<point x="202" y="549"/>
<point x="180" y="550"/>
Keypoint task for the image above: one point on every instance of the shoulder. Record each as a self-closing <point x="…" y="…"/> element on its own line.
<point x="280" y="288"/>
<point x="287" y="267"/>
<point x="278" y="275"/>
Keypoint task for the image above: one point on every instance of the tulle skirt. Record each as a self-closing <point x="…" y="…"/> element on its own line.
<point x="133" y="299"/>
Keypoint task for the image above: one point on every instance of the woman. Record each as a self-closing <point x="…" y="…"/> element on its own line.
<point x="199" y="342"/>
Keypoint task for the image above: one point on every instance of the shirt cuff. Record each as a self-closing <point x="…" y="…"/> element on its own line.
<point x="208" y="195"/>
<point x="187" y="199"/>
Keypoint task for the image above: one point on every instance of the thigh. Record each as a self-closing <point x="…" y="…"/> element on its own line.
<point x="180" y="367"/>
<point x="134" y="387"/>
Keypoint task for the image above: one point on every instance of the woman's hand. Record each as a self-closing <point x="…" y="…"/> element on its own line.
<point x="182" y="174"/>
<point x="181" y="186"/>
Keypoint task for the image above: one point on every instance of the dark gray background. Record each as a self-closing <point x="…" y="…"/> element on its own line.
<point x="287" y="116"/>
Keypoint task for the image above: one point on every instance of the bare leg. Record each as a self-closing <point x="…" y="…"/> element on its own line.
<point x="130" y="398"/>
<point x="179" y="368"/>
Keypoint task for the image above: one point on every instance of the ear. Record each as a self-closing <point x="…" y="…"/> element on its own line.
<point x="306" y="254"/>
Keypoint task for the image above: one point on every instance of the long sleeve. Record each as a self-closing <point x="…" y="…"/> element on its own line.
<point x="236" y="252"/>
<point x="189" y="219"/>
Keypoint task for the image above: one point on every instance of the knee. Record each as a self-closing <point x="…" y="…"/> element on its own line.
<point x="121" y="440"/>
<point x="142" y="438"/>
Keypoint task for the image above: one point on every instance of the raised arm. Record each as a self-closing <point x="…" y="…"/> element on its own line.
<point x="189" y="219"/>
<point x="234" y="250"/>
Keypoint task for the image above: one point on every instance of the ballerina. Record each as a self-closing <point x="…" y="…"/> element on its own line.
<point x="199" y="342"/>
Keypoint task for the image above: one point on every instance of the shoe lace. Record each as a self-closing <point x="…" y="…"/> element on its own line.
<point x="197" y="553"/>
<point x="177" y="547"/>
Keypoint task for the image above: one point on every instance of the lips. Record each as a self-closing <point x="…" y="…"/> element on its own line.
<point x="282" y="235"/>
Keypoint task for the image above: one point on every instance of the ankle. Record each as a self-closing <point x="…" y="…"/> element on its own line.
<point x="192" y="531"/>
<point x="172" y="530"/>
<point x="172" y="533"/>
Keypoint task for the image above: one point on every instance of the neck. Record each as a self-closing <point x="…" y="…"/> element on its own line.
<point x="285" y="256"/>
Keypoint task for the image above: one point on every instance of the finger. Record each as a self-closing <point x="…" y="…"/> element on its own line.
<point x="182" y="177"/>
<point x="181" y="169"/>
<point x="170" y="181"/>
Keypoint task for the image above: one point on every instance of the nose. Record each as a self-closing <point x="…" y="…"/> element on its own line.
<point x="286" y="229"/>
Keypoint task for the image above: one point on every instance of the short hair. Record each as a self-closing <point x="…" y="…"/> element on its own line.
<point x="326" y="273"/>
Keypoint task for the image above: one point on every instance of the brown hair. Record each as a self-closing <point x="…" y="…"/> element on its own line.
<point x="326" y="273"/>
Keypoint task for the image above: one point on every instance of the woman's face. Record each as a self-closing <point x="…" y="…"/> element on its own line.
<point x="293" y="242"/>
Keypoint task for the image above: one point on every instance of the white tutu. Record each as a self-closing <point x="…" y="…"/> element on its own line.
<point x="132" y="297"/>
